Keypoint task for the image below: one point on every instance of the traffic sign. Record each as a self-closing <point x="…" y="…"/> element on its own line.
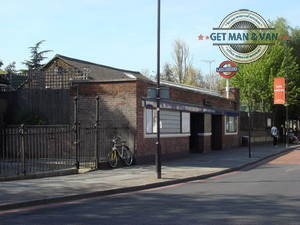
<point x="226" y="69"/>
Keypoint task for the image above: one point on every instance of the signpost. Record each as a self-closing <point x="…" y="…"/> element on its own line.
<point x="227" y="69"/>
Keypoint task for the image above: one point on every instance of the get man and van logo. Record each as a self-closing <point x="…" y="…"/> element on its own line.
<point x="243" y="36"/>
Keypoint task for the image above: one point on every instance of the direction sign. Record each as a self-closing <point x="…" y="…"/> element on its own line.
<point x="227" y="67"/>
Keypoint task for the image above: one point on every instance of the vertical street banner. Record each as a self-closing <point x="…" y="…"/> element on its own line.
<point x="279" y="90"/>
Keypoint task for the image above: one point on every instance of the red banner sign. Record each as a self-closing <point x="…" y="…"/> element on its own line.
<point x="279" y="90"/>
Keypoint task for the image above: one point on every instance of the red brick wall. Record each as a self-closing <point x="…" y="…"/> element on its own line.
<point x="229" y="140"/>
<point x="117" y="102"/>
<point x="192" y="97"/>
<point x="205" y="143"/>
<point x="170" y="147"/>
<point x="121" y="102"/>
<point x="146" y="147"/>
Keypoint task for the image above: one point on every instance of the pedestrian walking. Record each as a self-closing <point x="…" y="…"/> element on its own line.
<point x="274" y="134"/>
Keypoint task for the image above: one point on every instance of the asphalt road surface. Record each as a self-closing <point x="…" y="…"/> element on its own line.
<point x="263" y="194"/>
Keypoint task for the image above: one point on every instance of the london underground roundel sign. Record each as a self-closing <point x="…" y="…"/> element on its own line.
<point x="227" y="69"/>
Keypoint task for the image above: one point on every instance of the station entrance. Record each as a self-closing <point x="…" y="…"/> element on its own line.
<point x="206" y="132"/>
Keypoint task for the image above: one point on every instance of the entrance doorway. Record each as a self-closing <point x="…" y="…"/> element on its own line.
<point x="196" y="128"/>
<point x="216" y="137"/>
<point x="211" y="134"/>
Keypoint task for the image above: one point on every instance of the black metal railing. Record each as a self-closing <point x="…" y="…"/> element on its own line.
<point x="33" y="149"/>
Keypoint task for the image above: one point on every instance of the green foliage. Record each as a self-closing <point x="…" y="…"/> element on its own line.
<point x="11" y="68"/>
<point x="36" y="57"/>
<point x="1" y="64"/>
<point x="28" y="118"/>
<point x="255" y="80"/>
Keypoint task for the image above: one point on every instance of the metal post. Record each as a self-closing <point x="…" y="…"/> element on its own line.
<point x="209" y="61"/>
<point x="76" y="127"/>
<point x="286" y="99"/>
<point x="96" y="134"/>
<point x="22" y="130"/>
<point x="249" y="121"/>
<point x="210" y="76"/>
<point x="227" y="88"/>
<point x="158" y="149"/>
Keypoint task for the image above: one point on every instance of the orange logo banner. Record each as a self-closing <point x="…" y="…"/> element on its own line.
<point x="279" y="90"/>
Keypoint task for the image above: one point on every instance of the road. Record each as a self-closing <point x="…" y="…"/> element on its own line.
<point x="263" y="194"/>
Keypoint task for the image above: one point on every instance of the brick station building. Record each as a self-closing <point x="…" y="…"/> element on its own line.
<point x="192" y="119"/>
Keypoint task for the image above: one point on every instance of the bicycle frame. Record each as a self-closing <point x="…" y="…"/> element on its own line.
<point x="123" y="153"/>
<point x="116" y="147"/>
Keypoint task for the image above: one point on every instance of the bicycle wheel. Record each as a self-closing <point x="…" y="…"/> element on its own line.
<point x="113" y="158"/>
<point x="127" y="156"/>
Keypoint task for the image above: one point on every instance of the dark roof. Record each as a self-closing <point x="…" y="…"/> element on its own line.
<point x="12" y="81"/>
<point x="3" y="81"/>
<point x="100" y="72"/>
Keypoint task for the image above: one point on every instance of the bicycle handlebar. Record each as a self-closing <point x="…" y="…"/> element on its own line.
<point x="116" y="139"/>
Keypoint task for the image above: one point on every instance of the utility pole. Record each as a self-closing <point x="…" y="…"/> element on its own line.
<point x="209" y="61"/>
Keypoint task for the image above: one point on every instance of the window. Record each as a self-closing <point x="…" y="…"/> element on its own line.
<point x="149" y="122"/>
<point x="185" y="120"/>
<point x="231" y="125"/>
<point x="269" y="122"/>
<point x="171" y="122"/>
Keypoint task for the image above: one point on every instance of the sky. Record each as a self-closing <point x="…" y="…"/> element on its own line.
<point x="123" y="34"/>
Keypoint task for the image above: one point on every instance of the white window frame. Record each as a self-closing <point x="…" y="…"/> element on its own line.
<point x="182" y="129"/>
<point x="185" y="122"/>
<point x="231" y="122"/>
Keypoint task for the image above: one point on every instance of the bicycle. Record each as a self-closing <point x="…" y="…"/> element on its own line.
<point x="124" y="153"/>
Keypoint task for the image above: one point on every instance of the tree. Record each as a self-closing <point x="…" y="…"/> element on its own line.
<point x="182" y="71"/>
<point x="213" y="81"/>
<point x="146" y="72"/>
<point x="181" y="57"/>
<point x="1" y="64"/>
<point x="36" y="57"/>
<point x="295" y="44"/>
<point x="167" y="73"/>
<point x="11" y="68"/>
<point x="255" y="80"/>
<point x="194" y="77"/>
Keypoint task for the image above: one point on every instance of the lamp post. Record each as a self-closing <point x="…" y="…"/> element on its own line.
<point x="250" y="126"/>
<point x="158" y="150"/>
<point x="209" y="61"/>
<point x="286" y="98"/>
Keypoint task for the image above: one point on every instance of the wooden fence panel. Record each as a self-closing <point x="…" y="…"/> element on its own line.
<point x="51" y="104"/>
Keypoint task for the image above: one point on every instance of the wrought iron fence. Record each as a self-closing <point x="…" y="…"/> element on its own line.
<point x="32" y="149"/>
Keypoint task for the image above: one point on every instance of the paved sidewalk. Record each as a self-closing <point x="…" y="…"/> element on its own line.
<point x="29" y="192"/>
